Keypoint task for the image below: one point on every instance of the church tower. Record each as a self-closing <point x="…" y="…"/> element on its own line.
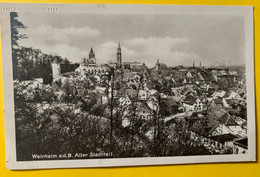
<point x="91" y="61"/>
<point x="91" y="53"/>
<point x="119" y="57"/>
<point x="157" y="65"/>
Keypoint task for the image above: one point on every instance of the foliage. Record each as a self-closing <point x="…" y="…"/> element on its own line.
<point x="15" y="37"/>
<point x="15" y="26"/>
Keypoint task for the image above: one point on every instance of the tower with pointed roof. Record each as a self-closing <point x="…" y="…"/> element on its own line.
<point x="91" y="53"/>
<point x="91" y="61"/>
<point x="157" y="66"/>
<point x="119" y="57"/>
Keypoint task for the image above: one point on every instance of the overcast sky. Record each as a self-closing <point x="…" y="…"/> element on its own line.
<point x="175" y="40"/>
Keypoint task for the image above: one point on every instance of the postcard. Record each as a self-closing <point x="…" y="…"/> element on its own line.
<point x="96" y="85"/>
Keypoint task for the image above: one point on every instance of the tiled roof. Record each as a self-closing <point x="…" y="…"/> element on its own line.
<point x="242" y="142"/>
<point x="189" y="99"/>
<point x="218" y="101"/>
<point x="224" y="138"/>
<point x="222" y="116"/>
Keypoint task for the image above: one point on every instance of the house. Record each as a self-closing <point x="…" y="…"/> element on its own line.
<point x="143" y="94"/>
<point x="214" y="76"/>
<point x="143" y="111"/>
<point x="233" y="72"/>
<point x="131" y="93"/>
<point x="244" y="126"/>
<point x="192" y="103"/>
<point x="234" y="95"/>
<point x="125" y="101"/>
<point x="132" y="77"/>
<point x="176" y="94"/>
<point x="219" y="129"/>
<point x="152" y="103"/>
<point x="225" y="139"/>
<point x="203" y="76"/>
<point x="227" y="124"/>
<point x="225" y="103"/>
<point x="163" y="95"/>
<point x="190" y="74"/>
<point x="216" y="102"/>
<point x="240" y="146"/>
<point x="198" y="105"/>
<point x="222" y="116"/>
<point x="237" y="130"/>
<point x="152" y="92"/>
<point x="218" y="94"/>
<point x="239" y="120"/>
<point x="188" y="102"/>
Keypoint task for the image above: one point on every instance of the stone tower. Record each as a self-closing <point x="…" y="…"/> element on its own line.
<point x="56" y="70"/>
<point x="119" y="57"/>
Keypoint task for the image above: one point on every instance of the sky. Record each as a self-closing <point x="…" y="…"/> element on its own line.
<point x="173" y="39"/>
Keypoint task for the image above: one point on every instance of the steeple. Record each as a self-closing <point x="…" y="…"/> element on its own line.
<point x="119" y="57"/>
<point x="193" y="64"/>
<point x="91" y="53"/>
<point x="157" y="66"/>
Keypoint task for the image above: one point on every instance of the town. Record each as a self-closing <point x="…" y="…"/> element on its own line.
<point x="126" y="108"/>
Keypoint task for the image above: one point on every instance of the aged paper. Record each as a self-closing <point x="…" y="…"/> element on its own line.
<point x="125" y="85"/>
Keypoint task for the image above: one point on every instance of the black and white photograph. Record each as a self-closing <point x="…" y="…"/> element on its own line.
<point x="113" y="85"/>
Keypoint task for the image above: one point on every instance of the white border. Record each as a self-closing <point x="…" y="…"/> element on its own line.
<point x="11" y="163"/>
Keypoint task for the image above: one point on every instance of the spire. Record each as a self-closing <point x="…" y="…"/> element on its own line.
<point x="157" y="66"/>
<point x="119" y="57"/>
<point x="119" y="48"/>
<point x="193" y="64"/>
<point x="91" y="53"/>
<point x="91" y="50"/>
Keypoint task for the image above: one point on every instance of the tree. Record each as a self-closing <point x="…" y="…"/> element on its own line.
<point x="180" y="141"/>
<point x="15" y="37"/>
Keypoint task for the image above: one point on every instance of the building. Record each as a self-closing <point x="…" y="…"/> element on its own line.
<point x="56" y="70"/>
<point x="159" y="68"/>
<point x="157" y="65"/>
<point x="89" y="66"/>
<point x="134" y="66"/>
<point x="240" y="146"/>
<point x="91" y="61"/>
<point x="119" y="57"/>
